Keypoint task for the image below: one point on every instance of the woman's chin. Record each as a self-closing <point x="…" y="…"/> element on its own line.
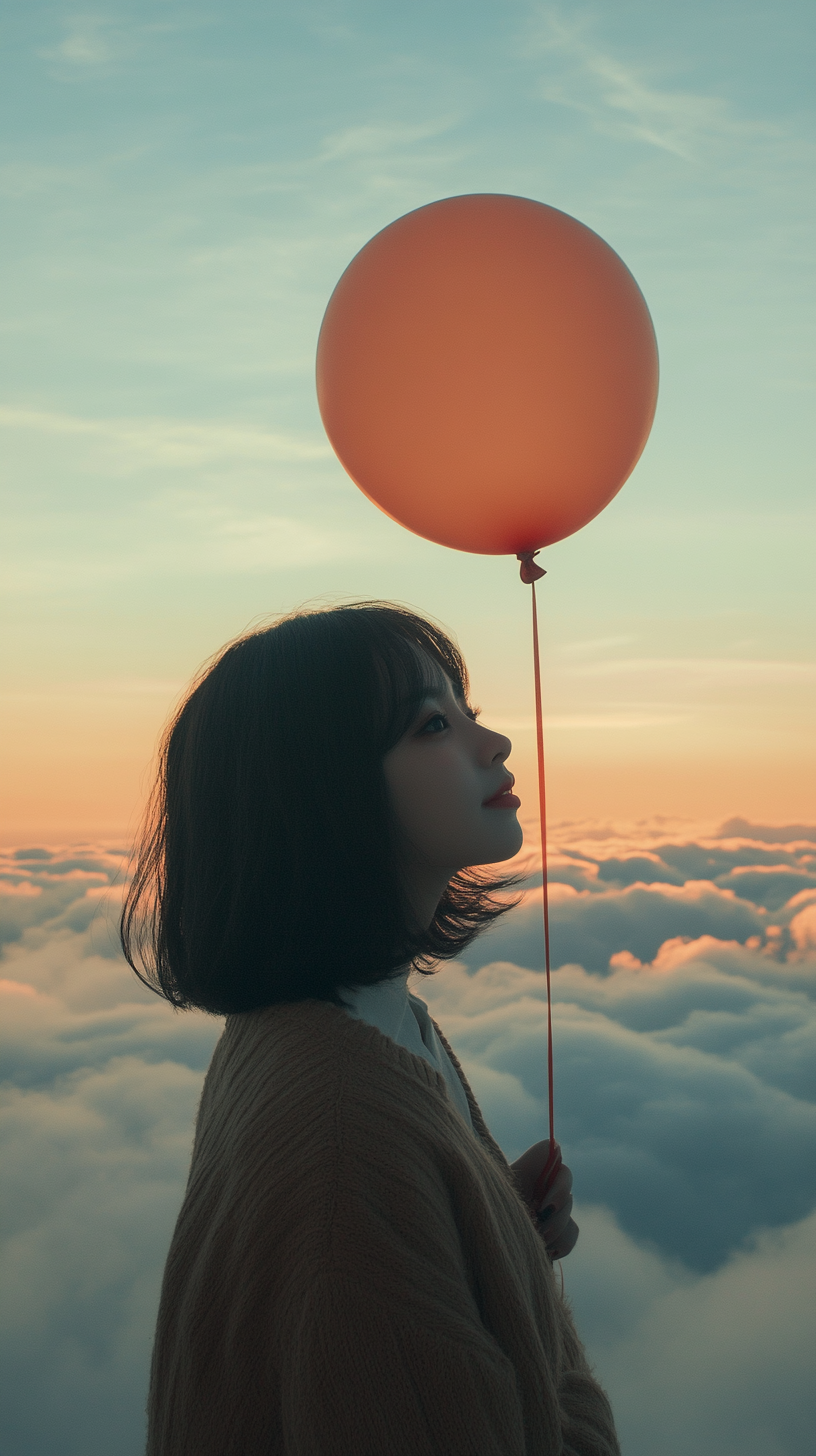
<point x="508" y="843"/>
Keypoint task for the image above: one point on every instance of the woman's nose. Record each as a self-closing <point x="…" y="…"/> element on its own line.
<point x="497" y="747"/>
<point x="506" y="748"/>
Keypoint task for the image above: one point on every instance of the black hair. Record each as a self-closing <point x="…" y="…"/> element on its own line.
<point x="267" y="867"/>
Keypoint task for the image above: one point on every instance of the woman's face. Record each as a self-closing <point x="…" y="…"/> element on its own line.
<point x="450" y="793"/>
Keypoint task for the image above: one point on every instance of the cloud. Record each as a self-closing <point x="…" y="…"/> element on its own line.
<point x="207" y="541"/>
<point x="21" y="179"/>
<point x="184" y="519"/>
<point x="369" y="141"/>
<point x="803" y="930"/>
<point x="589" y="646"/>
<point x="777" y="834"/>
<point x="685" y="1103"/>
<point x="95" y="41"/>
<point x="111" y="687"/>
<point x="771" y="886"/>
<point x="722" y="669"/>
<point x="37" y="886"/>
<point x="623" y="100"/>
<point x="638" y="869"/>
<point x="96" y="1163"/>
<point x="589" y="926"/>
<point x="570" y="722"/>
<point x="178" y="444"/>
<point x="89" y="41"/>
<point x="717" y="1365"/>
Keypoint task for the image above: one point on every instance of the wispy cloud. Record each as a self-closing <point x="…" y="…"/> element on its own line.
<point x="127" y="687"/>
<point x="89" y="40"/>
<point x="378" y="140"/>
<point x="178" y="443"/>
<point x="579" y="722"/>
<point x="624" y="100"/>
<point x="196" y="540"/>
<point x="93" y="40"/>
<point x="722" y="669"/>
<point x="25" y="178"/>
<point x="590" y="646"/>
<point x="259" y="541"/>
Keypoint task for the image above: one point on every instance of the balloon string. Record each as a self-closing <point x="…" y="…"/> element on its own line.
<point x="542" y="810"/>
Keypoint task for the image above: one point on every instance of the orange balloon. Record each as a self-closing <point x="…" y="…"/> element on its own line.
<point x="487" y="372"/>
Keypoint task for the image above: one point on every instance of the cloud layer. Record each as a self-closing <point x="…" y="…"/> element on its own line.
<point x="685" y="1029"/>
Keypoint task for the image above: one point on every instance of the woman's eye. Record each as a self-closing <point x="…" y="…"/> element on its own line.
<point x="437" y="724"/>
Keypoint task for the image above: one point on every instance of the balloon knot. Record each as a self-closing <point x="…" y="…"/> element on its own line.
<point x="529" y="571"/>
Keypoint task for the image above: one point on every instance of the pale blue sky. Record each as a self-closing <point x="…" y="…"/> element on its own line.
<point x="183" y="186"/>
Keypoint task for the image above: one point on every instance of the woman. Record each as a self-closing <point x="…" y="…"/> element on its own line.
<point x="355" y="1270"/>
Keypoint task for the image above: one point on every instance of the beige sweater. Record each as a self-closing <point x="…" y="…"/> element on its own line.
<point x="352" y="1272"/>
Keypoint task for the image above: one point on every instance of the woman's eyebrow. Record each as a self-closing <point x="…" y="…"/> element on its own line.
<point x="437" y="689"/>
<point x="429" y="691"/>
<point x="415" y="702"/>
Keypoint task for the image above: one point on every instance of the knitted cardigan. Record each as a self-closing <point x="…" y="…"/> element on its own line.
<point x="353" y="1273"/>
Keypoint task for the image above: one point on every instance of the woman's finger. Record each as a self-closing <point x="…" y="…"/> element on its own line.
<point x="552" y="1222"/>
<point x="557" y="1195"/>
<point x="528" y="1168"/>
<point x="566" y="1243"/>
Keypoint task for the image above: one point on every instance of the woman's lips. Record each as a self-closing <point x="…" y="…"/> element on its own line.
<point x="504" y="799"/>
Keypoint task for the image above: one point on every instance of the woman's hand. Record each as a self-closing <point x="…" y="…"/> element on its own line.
<point x="554" y="1222"/>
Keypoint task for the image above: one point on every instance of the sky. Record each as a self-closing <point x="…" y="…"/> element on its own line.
<point x="181" y="189"/>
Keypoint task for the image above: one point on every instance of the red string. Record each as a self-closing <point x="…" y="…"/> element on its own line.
<point x="542" y="811"/>
<point x="530" y="573"/>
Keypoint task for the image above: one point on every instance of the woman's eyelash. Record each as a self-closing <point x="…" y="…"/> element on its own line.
<point x="435" y="718"/>
<point x="442" y="718"/>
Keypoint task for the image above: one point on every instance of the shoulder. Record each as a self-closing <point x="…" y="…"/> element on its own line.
<point x="298" y="1050"/>
<point x="308" y="1080"/>
<point x="313" y="1124"/>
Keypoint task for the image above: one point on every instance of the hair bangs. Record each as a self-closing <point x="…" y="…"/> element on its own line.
<point x="415" y="661"/>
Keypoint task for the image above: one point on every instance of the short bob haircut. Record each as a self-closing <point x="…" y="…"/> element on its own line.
<point x="267" y="870"/>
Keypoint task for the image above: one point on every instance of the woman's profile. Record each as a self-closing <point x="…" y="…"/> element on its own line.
<point x="355" y="1269"/>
